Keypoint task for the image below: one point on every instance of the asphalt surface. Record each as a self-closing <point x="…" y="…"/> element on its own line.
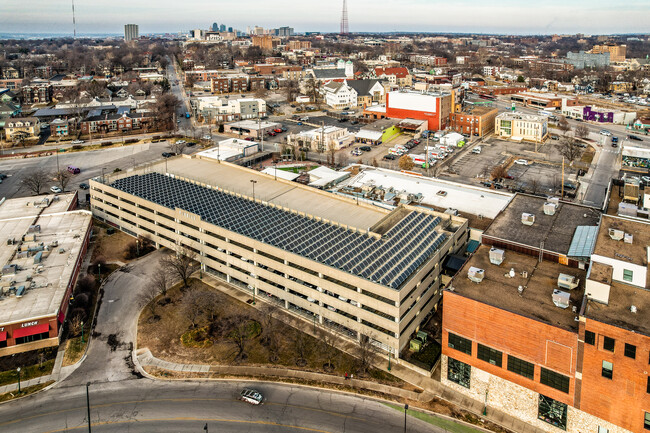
<point x="122" y="401"/>
<point x="148" y="406"/>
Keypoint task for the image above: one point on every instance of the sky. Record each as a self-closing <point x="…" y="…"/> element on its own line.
<point x="458" y="16"/>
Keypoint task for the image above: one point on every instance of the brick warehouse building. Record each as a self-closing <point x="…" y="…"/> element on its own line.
<point x="45" y="241"/>
<point x="478" y="121"/>
<point x="432" y="107"/>
<point x="358" y="269"/>
<point x="539" y="322"/>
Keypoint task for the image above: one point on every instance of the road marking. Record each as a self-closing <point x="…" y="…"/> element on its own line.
<point x="139" y="421"/>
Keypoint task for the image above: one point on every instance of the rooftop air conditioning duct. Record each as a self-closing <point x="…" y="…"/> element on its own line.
<point x="567" y="282"/>
<point x="476" y="274"/>
<point x="550" y="208"/>
<point x="561" y="299"/>
<point x="527" y="219"/>
<point x="497" y="256"/>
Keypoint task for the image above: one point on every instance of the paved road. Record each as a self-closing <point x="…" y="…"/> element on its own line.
<point x="148" y="406"/>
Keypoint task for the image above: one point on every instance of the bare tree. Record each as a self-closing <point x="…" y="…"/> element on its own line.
<point x="581" y="131"/>
<point x="569" y="149"/>
<point x="147" y="299"/>
<point x="211" y="304"/>
<point x="366" y="351"/>
<point x="313" y="90"/>
<point x="498" y="172"/>
<point x="301" y="347"/>
<point x="291" y="90"/>
<point x="177" y="146"/>
<point x="75" y="325"/>
<point x="240" y="333"/>
<point x="181" y="264"/>
<point x="327" y="347"/>
<point x="160" y="280"/>
<point x="36" y="181"/>
<point x="563" y="125"/>
<point x="62" y="178"/>
<point x="534" y="186"/>
<point x="331" y="149"/>
<point x="269" y="334"/>
<point x="192" y="306"/>
<point x="405" y="163"/>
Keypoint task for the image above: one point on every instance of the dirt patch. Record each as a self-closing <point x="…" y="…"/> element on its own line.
<point x="109" y="246"/>
<point x="265" y="342"/>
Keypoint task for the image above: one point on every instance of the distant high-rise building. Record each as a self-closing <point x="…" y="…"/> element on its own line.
<point x="285" y="32"/>
<point x="344" y="19"/>
<point x="230" y="29"/>
<point x="131" y="32"/>
<point x="215" y="27"/>
<point x="222" y="28"/>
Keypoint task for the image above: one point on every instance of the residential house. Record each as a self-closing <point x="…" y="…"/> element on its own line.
<point x="368" y="91"/>
<point x="60" y="127"/>
<point x="339" y="95"/>
<point x="399" y="76"/>
<point x="105" y="123"/>
<point x="37" y="93"/>
<point x="26" y="126"/>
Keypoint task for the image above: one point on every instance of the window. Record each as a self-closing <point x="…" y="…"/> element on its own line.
<point x="490" y="355"/>
<point x="647" y="388"/>
<point x="590" y="338"/>
<point x="646" y="421"/>
<point x="609" y="343"/>
<point x="458" y="372"/>
<point x="459" y="343"/>
<point x="552" y="412"/>
<point x="630" y="351"/>
<point x="627" y="275"/>
<point x="554" y="380"/>
<point x="521" y="367"/>
<point x="608" y="369"/>
<point x="602" y="430"/>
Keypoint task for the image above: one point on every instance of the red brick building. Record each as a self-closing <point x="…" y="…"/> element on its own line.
<point x="432" y="107"/>
<point x="539" y="323"/>
<point x="116" y="122"/>
<point x="477" y="121"/>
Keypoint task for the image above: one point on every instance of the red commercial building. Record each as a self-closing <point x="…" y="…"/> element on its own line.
<point x="432" y="107"/>
<point x="546" y="321"/>
<point x="43" y="248"/>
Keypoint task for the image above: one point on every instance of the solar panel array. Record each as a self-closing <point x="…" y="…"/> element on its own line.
<point x="389" y="261"/>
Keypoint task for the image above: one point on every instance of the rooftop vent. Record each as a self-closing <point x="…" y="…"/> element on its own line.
<point x="497" y="256"/>
<point x="615" y="234"/>
<point x="567" y="282"/>
<point x="550" y="208"/>
<point x="561" y="299"/>
<point x="633" y="308"/>
<point x="476" y="274"/>
<point x="554" y="200"/>
<point x="628" y="238"/>
<point x="527" y="219"/>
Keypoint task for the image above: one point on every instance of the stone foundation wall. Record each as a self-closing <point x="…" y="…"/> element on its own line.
<point x="521" y="402"/>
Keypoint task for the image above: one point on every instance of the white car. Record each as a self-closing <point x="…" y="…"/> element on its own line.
<point x="56" y="189"/>
<point x="521" y="161"/>
<point x="251" y="396"/>
<point x="77" y="142"/>
<point x="605" y="132"/>
<point x="207" y="137"/>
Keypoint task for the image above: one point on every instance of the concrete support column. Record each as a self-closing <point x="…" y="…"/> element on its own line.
<point x="227" y="278"/>
<point x="286" y="304"/>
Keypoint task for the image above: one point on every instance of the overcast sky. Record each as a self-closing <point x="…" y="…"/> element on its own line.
<point x="473" y="16"/>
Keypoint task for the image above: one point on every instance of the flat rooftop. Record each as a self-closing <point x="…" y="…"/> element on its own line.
<point x="520" y="116"/>
<point x="536" y="302"/>
<point x="388" y="255"/>
<point x="465" y="198"/>
<point x="61" y="237"/>
<point x="33" y="206"/>
<point x="618" y="312"/>
<point x="288" y="194"/>
<point x="556" y="231"/>
<point x="634" y="252"/>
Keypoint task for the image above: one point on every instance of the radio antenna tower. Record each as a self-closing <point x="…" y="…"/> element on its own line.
<point x="344" y="19"/>
<point x="74" y="22"/>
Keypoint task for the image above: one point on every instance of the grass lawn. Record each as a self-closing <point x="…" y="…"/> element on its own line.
<point x="26" y="373"/>
<point x="24" y="391"/>
<point x="214" y="341"/>
<point x="74" y="349"/>
<point x="448" y="425"/>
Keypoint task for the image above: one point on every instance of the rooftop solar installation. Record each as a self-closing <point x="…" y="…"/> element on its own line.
<point x="389" y="260"/>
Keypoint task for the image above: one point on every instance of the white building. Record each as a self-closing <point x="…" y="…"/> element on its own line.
<point x="231" y="149"/>
<point x="521" y="127"/>
<point x="219" y="109"/>
<point x="339" y="95"/>
<point x="323" y="138"/>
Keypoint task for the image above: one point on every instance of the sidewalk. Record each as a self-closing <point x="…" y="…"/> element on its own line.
<point x="55" y="376"/>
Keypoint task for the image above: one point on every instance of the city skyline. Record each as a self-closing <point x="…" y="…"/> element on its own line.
<point x="466" y="16"/>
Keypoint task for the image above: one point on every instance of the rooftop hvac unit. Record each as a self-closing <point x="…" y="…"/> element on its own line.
<point x="554" y="200"/>
<point x="628" y="238"/>
<point x="527" y="219"/>
<point x="567" y="282"/>
<point x="615" y="234"/>
<point x="550" y="208"/>
<point x="476" y="274"/>
<point x="561" y="299"/>
<point x="497" y="256"/>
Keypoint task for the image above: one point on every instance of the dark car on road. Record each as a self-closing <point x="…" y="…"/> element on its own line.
<point x="84" y="186"/>
<point x="365" y="148"/>
<point x="634" y="137"/>
<point x="168" y="154"/>
<point x="390" y="157"/>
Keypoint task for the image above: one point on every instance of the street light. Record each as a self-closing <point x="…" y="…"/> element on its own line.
<point x="253" y="182"/>
<point x="18" y="370"/>
<point x="88" y="405"/>
<point x="406" y="408"/>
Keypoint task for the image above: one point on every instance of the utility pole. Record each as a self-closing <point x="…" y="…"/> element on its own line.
<point x="259" y="128"/>
<point x="562" y="194"/>
<point x="88" y="405"/>
<point x="322" y="138"/>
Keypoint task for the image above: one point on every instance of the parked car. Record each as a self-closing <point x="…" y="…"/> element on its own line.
<point x="390" y="157"/>
<point x="271" y="133"/>
<point x="251" y="396"/>
<point x="521" y="161"/>
<point x="248" y="138"/>
<point x="168" y="154"/>
<point x="207" y="137"/>
<point x="555" y="137"/>
<point x="477" y="150"/>
<point x="84" y="186"/>
<point x="365" y="148"/>
<point x="77" y="142"/>
<point x="356" y="152"/>
<point x="605" y="132"/>
<point x="284" y="129"/>
<point x="354" y="122"/>
<point x="634" y="137"/>
<point x="191" y="144"/>
<point x="55" y="189"/>
<point x="277" y="130"/>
